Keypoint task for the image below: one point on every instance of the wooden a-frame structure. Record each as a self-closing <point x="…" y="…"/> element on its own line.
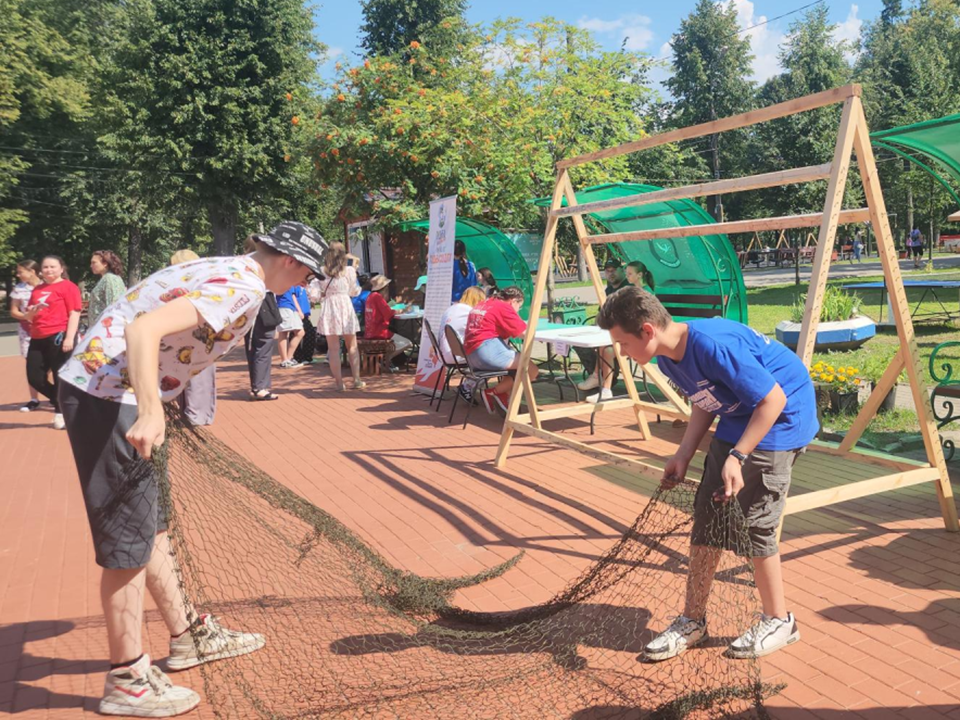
<point x="852" y="136"/>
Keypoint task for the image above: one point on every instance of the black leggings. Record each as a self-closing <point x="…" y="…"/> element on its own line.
<point x="44" y="355"/>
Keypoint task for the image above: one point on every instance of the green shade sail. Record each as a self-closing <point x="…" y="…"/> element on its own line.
<point x="937" y="141"/>
<point x="490" y="248"/>
<point x="699" y="265"/>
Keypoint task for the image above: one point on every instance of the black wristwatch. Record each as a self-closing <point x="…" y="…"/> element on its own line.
<point x="738" y="455"/>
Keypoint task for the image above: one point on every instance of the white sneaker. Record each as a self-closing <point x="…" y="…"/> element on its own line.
<point x="682" y="635"/>
<point x="58" y="423"/>
<point x="767" y="635"/>
<point x="605" y="394"/>
<point x="142" y="690"/>
<point x="590" y="383"/>
<point x="207" y="642"/>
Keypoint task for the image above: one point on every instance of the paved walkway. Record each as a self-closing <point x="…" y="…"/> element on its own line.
<point x="875" y="583"/>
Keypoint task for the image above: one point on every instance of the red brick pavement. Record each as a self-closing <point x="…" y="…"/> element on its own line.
<point x="874" y="583"/>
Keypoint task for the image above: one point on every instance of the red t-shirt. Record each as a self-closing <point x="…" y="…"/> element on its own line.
<point x="61" y="299"/>
<point x="376" y="318"/>
<point x="492" y="319"/>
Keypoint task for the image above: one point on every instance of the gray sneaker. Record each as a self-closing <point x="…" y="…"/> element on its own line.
<point x="767" y="635"/>
<point x="208" y="641"/>
<point x="682" y="635"/>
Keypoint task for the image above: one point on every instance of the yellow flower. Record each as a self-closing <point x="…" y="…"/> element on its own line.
<point x="818" y="367"/>
<point x="856" y="381"/>
<point x="823" y="376"/>
<point x="830" y="369"/>
<point x="841" y="377"/>
<point x="851" y="370"/>
<point x="829" y="378"/>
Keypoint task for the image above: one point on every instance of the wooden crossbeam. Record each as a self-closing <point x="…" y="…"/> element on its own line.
<point x="720" y="187"/>
<point x="737" y="226"/>
<point x="859" y="489"/>
<point x="752" y="117"/>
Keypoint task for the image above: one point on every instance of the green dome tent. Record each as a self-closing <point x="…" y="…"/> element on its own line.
<point x="698" y="265"/>
<point x="490" y="248"/>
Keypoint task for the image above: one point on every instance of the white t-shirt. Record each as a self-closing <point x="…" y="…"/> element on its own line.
<point x="227" y="293"/>
<point x="456" y="317"/>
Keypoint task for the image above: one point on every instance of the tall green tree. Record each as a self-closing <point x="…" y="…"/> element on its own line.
<point x="812" y="60"/>
<point x="488" y="127"/>
<point x="711" y="64"/>
<point x="389" y="26"/>
<point x="201" y="91"/>
<point x="910" y="70"/>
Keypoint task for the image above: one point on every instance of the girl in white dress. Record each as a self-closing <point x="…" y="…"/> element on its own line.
<point x="337" y="316"/>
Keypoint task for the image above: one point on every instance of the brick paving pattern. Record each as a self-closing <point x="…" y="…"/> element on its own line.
<point x="875" y="583"/>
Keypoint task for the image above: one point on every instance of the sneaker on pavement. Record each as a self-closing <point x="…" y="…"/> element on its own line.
<point x="605" y="394"/>
<point x="142" y="690"/>
<point x="30" y="406"/>
<point x="590" y="383"/>
<point x="767" y="635"/>
<point x="682" y="635"/>
<point x="58" y="423"/>
<point x="207" y="641"/>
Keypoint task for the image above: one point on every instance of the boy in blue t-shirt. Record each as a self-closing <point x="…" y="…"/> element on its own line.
<point x="767" y="407"/>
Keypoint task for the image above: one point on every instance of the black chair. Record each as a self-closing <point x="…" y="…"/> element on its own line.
<point x="468" y="372"/>
<point x="448" y="368"/>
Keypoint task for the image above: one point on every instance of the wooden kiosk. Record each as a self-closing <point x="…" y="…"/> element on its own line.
<point x="852" y="136"/>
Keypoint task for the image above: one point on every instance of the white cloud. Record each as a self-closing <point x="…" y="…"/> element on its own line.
<point x="765" y="40"/>
<point x="849" y="30"/>
<point x="632" y="31"/>
<point x="333" y="53"/>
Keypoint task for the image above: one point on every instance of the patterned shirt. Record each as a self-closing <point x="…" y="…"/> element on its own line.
<point x="227" y="293"/>
<point x="107" y="291"/>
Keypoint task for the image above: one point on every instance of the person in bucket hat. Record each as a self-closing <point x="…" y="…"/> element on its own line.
<point x="141" y="353"/>
<point x="377" y="317"/>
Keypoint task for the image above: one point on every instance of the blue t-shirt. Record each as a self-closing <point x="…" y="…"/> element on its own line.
<point x="728" y="368"/>
<point x="287" y="300"/>
<point x="461" y="283"/>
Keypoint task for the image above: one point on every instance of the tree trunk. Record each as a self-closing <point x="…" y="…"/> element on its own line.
<point x="716" y="200"/>
<point x="134" y="254"/>
<point x="581" y="264"/>
<point x="223" y="227"/>
<point x="909" y="208"/>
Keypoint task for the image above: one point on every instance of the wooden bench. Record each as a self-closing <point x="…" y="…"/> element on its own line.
<point x="698" y="306"/>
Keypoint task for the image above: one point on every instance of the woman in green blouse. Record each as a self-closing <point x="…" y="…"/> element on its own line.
<point x="109" y="288"/>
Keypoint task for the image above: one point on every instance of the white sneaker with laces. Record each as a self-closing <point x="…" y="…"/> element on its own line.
<point x="590" y="383"/>
<point x="682" y="635"/>
<point x="58" y="423"/>
<point x="208" y="641"/>
<point x="142" y="690"/>
<point x="605" y="394"/>
<point x="767" y="635"/>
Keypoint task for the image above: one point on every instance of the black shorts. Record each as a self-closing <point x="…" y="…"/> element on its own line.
<point x="120" y="489"/>
<point x="917" y="250"/>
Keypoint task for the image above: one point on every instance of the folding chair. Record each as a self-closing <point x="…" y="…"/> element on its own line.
<point x="467" y="372"/>
<point x="446" y="372"/>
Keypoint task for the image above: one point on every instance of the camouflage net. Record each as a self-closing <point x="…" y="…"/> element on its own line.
<point x="349" y="635"/>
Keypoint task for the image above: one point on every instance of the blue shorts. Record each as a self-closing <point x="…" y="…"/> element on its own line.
<point x="493" y="354"/>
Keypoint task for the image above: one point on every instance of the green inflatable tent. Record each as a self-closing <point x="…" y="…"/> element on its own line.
<point x="699" y="265"/>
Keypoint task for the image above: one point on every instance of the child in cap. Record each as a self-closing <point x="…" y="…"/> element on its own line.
<point x="141" y="352"/>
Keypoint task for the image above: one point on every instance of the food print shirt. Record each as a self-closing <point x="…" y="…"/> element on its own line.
<point x="227" y="293"/>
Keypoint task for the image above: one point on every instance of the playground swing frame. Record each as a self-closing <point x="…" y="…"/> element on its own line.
<point x="852" y="136"/>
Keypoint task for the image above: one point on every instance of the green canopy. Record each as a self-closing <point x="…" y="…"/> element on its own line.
<point x="938" y="141"/>
<point x="490" y="248"/>
<point x="699" y="265"/>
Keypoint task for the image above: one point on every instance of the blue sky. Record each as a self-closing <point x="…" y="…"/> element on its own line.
<point x="646" y="26"/>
